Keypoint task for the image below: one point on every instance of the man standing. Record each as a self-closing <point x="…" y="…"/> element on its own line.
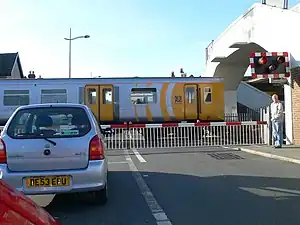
<point x="277" y="120"/>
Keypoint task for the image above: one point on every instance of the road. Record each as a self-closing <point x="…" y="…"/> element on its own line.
<point x="207" y="186"/>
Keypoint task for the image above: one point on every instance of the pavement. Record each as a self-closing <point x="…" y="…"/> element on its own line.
<point x="191" y="186"/>
<point x="288" y="153"/>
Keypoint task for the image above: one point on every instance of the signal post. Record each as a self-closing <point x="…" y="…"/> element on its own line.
<point x="276" y="67"/>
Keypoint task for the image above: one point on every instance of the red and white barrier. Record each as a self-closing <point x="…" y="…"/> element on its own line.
<point x="114" y="126"/>
<point x="199" y="124"/>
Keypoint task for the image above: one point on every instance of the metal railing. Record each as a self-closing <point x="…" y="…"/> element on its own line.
<point x="239" y="129"/>
<point x="137" y="136"/>
<point x="250" y="116"/>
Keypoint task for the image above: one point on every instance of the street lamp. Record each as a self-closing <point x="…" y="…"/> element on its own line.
<point x="70" y="39"/>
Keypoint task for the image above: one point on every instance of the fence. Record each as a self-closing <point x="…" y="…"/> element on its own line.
<point x="179" y="135"/>
<point x="239" y="129"/>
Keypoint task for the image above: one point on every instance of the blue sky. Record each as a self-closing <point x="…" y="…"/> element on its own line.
<point x="128" y="37"/>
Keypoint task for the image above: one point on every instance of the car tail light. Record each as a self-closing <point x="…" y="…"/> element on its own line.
<point x="2" y="152"/>
<point x="96" y="149"/>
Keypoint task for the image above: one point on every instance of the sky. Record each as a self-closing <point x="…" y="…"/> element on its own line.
<point x="127" y="37"/>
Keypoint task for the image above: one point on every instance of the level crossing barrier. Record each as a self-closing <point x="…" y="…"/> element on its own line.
<point x="180" y="135"/>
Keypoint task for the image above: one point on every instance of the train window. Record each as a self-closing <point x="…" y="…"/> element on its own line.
<point x="190" y="95"/>
<point x="92" y="95"/>
<point x="207" y="95"/>
<point x="53" y="96"/>
<point x="143" y="95"/>
<point x="15" y="97"/>
<point x="107" y="95"/>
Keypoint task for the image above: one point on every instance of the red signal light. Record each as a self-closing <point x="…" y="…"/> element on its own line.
<point x="280" y="59"/>
<point x="263" y="60"/>
<point x="272" y="67"/>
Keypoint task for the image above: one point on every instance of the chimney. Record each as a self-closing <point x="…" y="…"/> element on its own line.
<point x="31" y="75"/>
<point x="183" y="74"/>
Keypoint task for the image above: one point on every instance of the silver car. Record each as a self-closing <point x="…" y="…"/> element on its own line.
<point x="54" y="148"/>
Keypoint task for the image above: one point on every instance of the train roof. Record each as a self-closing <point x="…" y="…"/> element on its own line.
<point x="113" y="80"/>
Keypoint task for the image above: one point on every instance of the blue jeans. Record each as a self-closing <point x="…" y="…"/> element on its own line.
<point x="277" y="133"/>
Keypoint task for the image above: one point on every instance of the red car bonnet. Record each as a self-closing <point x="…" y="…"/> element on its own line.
<point x="17" y="209"/>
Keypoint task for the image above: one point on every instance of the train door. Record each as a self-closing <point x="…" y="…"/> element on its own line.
<point x="106" y="103"/>
<point x="92" y="99"/>
<point x="99" y="98"/>
<point x="191" y="102"/>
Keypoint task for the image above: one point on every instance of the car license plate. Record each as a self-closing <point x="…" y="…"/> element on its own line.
<point x="48" y="181"/>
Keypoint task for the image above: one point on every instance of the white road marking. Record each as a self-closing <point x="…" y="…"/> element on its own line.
<point x="138" y="155"/>
<point x="118" y="162"/>
<point x="157" y="212"/>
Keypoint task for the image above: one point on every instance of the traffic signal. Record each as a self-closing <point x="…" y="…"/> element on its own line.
<point x="269" y="65"/>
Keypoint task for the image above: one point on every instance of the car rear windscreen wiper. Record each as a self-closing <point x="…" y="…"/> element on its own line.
<point x="28" y="134"/>
<point x="52" y="142"/>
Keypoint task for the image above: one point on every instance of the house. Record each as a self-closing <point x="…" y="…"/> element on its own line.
<point x="10" y="66"/>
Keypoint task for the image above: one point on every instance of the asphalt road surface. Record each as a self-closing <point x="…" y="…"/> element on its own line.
<point x="200" y="186"/>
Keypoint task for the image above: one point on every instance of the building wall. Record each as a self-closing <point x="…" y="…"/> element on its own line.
<point x="249" y="33"/>
<point x="296" y="104"/>
<point x="230" y="102"/>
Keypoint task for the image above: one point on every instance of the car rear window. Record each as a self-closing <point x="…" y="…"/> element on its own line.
<point x="47" y="122"/>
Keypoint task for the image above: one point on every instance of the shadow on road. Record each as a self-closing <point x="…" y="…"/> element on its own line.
<point x="167" y="151"/>
<point x="186" y="199"/>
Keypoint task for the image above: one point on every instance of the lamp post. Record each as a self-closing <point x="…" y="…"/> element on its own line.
<point x="70" y="39"/>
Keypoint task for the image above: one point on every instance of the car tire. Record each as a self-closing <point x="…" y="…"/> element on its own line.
<point x="98" y="197"/>
<point x="102" y="195"/>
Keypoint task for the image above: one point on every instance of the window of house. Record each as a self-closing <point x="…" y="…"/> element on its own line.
<point x="107" y="95"/>
<point x="143" y="95"/>
<point x="92" y="96"/>
<point x="54" y="96"/>
<point x="16" y="97"/>
<point x="207" y="95"/>
<point x="190" y="95"/>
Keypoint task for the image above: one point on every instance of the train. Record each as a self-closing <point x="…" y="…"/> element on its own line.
<point x="119" y="100"/>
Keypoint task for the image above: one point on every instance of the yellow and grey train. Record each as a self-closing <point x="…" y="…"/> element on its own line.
<point x="119" y="100"/>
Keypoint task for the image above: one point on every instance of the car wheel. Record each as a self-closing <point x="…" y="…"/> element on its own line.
<point x="102" y="195"/>
<point x="98" y="197"/>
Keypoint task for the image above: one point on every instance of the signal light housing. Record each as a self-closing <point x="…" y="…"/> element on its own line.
<point x="270" y="65"/>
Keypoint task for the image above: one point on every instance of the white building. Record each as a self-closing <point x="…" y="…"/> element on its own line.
<point x="261" y="28"/>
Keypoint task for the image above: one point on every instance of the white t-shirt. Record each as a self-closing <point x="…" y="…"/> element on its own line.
<point x="276" y="111"/>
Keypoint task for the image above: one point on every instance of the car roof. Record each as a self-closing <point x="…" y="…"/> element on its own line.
<point x="72" y="105"/>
